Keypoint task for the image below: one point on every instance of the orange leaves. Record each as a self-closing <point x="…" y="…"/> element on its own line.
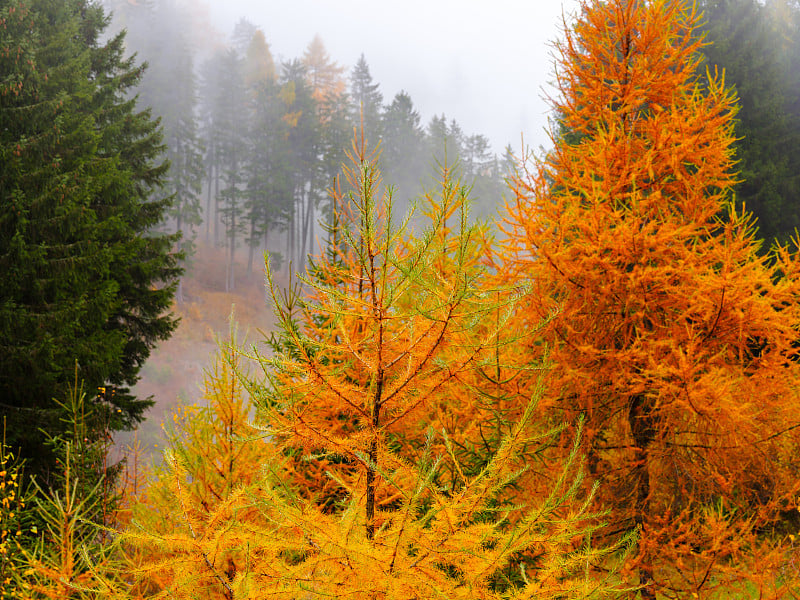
<point x="385" y="331"/>
<point x="670" y="338"/>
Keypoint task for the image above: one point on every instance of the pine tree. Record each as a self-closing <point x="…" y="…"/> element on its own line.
<point x="86" y="280"/>
<point x="405" y="167"/>
<point x="367" y="100"/>
<point x="674" y="339"/>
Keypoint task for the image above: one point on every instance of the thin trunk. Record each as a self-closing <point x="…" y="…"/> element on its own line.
<point x="290" y="237"/>
<point x="208" y="196"/>
<point x="377" y="400"/>
<point x="216" y="205"/>
<point x="251" y="245"/>
<point x="642" y="422"/>
<point x="179" y="291"/>
<point x="232" y="249"/>
<point x="307" y="228"/>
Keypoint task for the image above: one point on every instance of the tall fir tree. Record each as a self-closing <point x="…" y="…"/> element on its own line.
<point x="160" y="35"/>
<point x="80" y="172"/>
<point x="753" y="43"/>
<point x="403" y="136"/>
<point x="367" y="101"/>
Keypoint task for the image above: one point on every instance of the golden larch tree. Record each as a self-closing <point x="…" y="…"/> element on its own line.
<point x="384" y="325"/>
<point x="675" y="339"/>
<point x="179" y="539"/>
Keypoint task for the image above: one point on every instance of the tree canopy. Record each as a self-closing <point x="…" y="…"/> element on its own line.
<point x="674" y="339"/>
<point x="87" y="286"/>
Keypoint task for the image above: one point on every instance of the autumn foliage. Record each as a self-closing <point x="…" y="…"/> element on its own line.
<point x="675" y="340"/>
<point x="337" y="487"/>
<point x="601" y="402"/>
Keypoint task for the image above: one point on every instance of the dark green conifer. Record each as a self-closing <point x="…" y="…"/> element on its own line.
<point x="83" y="279"/>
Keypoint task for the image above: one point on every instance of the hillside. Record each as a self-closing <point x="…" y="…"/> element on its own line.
<point x="173" y="374"/>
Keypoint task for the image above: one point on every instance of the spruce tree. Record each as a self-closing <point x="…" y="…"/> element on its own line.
<point x="79" y="165"/>
<point x="367" y="100"/>
<point x="756" y="45"/>
<point x="403" y="136"/>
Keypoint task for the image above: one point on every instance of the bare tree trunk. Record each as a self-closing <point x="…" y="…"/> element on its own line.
<point x="307" y="242"/>
<point x="216" y="206"/>
<point x="208" y="197"/>
<point x="251" y="247"/>
<point x="290" y="239"/>
<point x="179" y="291"/>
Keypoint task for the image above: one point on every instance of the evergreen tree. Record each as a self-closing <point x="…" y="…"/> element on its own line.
<point x="304" y="143"/>
<point x="226" y="110"/>
<point x="159" y="34"/>
<point x="267" y="170"/>
<point x="367" y="101"/>
<point x="757" y="46"/>
<point x="403" y="139"/>
<point x="329" y="91"/>
<point x="79" y="168"/>
<point x="445" y="140"/>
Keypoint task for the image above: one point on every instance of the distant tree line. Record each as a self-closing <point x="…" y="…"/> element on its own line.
<point x="254" y="144"/>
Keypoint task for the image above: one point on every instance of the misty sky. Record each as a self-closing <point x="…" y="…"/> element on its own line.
<point x="482" y="62"/>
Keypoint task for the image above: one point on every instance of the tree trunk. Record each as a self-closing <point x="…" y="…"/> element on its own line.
<point x="307" y="229"/>
<point x="208" y="197"/>
<point x="216" y="206"/>
<point x="179" y="290"/>
<point x="642" y="422"/>
<point x="252" y="246"/>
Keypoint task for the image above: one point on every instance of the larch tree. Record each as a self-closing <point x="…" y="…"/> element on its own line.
<point x="385" y="330"/>
<point x="675" y="340"/>
<point x="183" y="524"/>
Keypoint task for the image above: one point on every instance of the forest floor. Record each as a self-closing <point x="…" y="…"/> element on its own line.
<point x="173" y="375"/>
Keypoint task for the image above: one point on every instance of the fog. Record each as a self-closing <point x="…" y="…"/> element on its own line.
<point x="251" y="157"/>
<point x="482" y="63"/>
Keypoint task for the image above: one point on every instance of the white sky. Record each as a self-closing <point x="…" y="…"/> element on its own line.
<point x="483" y="62"/>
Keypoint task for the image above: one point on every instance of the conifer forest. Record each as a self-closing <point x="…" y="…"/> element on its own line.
<point x="570" y="372"/>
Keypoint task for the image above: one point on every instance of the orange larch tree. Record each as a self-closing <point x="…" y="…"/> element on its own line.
<point x="385" y="327"/>
<point x="179" y="539"/>
<point x="675" y="341"/>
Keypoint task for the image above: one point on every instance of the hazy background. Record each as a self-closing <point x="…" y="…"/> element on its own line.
<point x="483" y="63"/>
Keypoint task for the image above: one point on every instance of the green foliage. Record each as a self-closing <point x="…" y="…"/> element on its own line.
<point x="756" y="44"/>
<point x="78" y="165"/>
